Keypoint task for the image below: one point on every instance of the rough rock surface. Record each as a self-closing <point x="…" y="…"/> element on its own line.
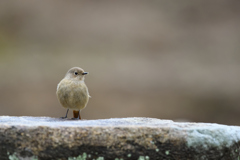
<point x="115" y="139"/>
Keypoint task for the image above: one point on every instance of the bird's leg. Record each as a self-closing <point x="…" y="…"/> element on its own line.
<point x="79" y="116"/>
<point x="76" y="115"/>
<point x="66" y="115"/>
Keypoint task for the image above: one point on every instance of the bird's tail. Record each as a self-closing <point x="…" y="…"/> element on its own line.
<point x="76" y="114"/>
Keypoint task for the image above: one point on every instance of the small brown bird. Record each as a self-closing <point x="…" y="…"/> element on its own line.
<point x="72" y="92"/>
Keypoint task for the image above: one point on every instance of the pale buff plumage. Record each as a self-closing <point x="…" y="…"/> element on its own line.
<point x="72" y="92"/>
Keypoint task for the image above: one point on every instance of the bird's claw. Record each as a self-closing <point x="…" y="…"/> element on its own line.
<point x="75" y="119"/>
<point x="63" y="117"/>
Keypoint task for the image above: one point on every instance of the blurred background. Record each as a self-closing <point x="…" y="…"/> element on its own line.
<point x="164" y="59"/>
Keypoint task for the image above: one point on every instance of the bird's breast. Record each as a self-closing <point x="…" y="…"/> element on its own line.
<point x="73" y="95"/>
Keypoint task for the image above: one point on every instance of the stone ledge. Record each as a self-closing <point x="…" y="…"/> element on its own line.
<point x="117" y="138"/>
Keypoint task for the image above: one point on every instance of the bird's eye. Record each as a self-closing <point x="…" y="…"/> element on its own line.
<point x="76" y="73"/>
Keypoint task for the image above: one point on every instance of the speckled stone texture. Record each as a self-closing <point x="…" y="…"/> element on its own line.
<point x="117" y="138"/>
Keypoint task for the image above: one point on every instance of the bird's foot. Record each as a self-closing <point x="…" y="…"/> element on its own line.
<point x="63" y="117"/>
<point x="75" y="119"/>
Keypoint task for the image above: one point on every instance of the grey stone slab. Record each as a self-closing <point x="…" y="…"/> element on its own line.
<point x="116" y="138"/>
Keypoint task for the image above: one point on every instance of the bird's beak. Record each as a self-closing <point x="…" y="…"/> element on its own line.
<point x="84" y="73"/>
